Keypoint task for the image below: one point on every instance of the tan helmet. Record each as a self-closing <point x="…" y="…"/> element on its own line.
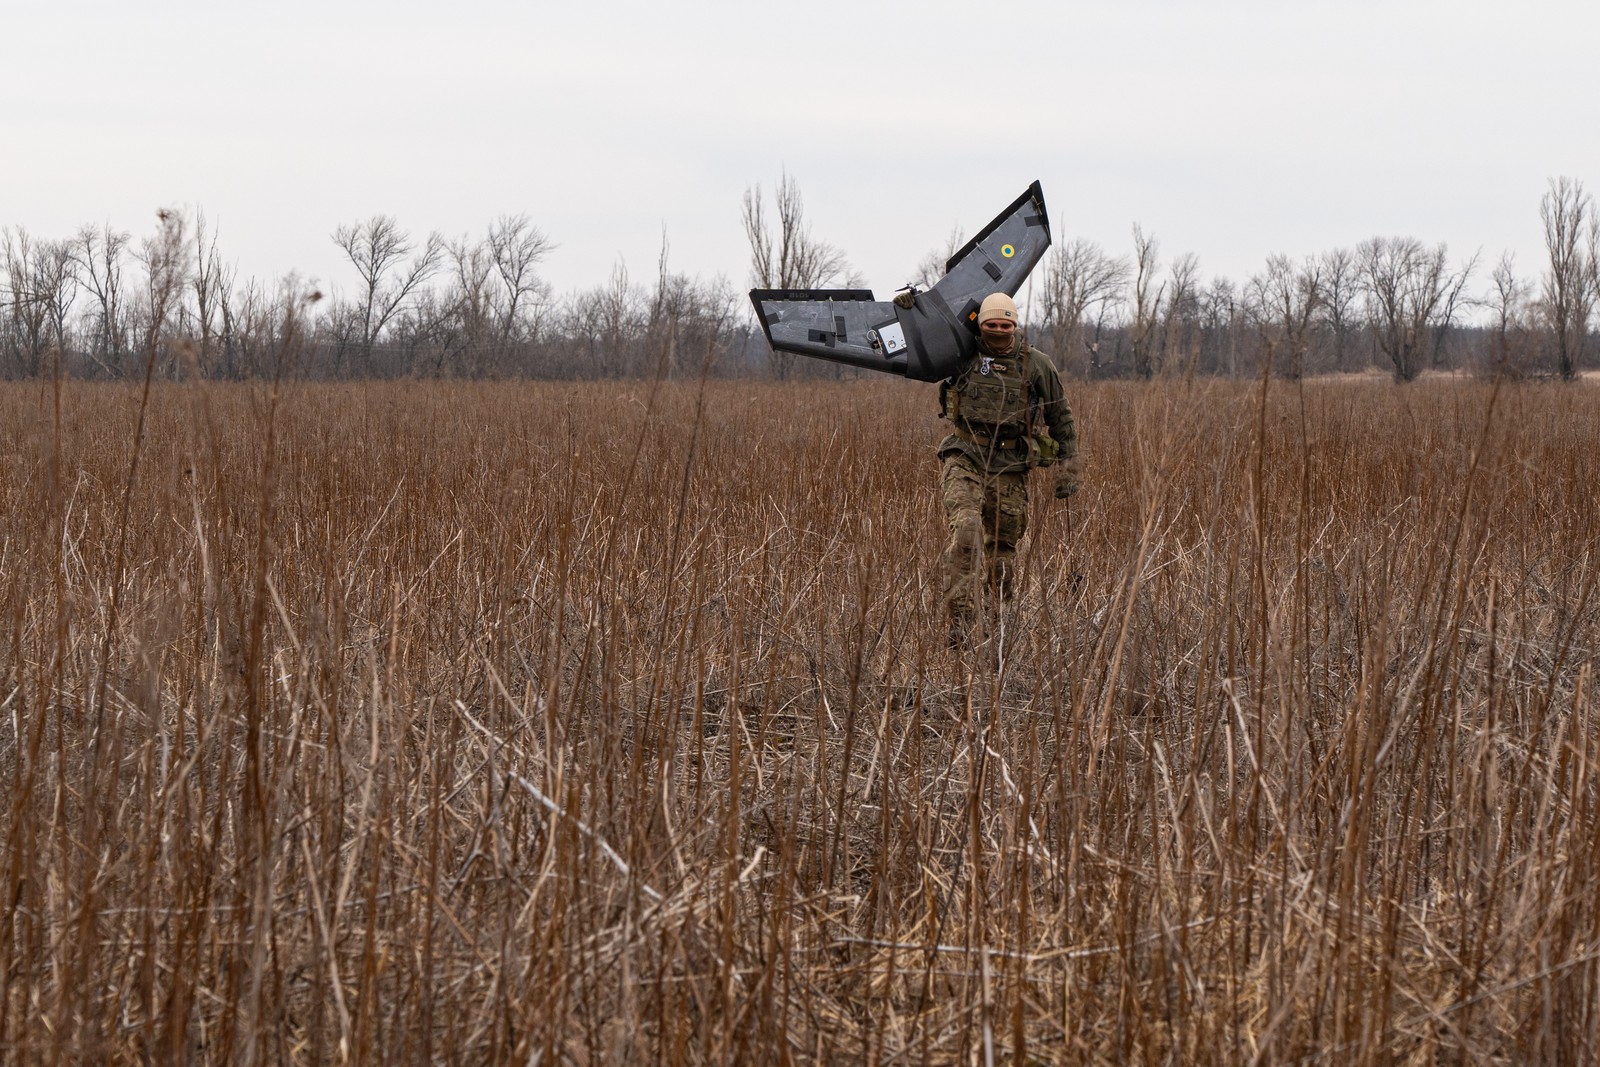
<point x="998" y="306"/>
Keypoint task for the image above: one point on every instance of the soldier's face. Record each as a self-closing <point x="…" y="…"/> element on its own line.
<point x="996" y="334"/>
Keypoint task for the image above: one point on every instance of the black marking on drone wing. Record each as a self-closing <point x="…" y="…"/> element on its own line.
<point x="992" y="271"/>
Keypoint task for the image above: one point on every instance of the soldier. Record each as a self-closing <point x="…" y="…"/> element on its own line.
<point x="1008" y="415"/>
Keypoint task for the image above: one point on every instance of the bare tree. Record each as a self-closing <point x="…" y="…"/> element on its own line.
<point x="789" y="257"/>
<point x="1080" y="284"/>
<point x="931" y="268"/>
<point x="784" y="254"/>
<point x="210" y="284"/>
<point x="1180" y="323"/>
<point x="1142" y="339"/>
<point x="1509" y="302"/>
<point x="259" y="323"/>
<point x="1568" y="289"/>
<point x="1594" y="259"/>
<point x="1411" y="296"/>
<point x="100" y="257"/>
<point x="40" y="287"/>
<point x="1339" y="308"/>
<point x="689" y="323"/>
<point x="165" y="256"/>
<point x="1220" y="315"/>
<point x="707" y="320"/>
<point x="470" y="305"/>
<point x="378" y="248"/>
<point x="1283" y="301"/>
<point x="237" y="336"/>
<point x="671" y="302"/>
<point x="427" y="338"/>
<point x="620" y="318"/>
<point x="517" y="247"/>
<point x="604" y="324"/>
<point x="489" y="311"/>
<point x="1444" y="320"/>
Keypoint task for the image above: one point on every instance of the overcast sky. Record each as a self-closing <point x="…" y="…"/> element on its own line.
<point x="1233" y="130"/>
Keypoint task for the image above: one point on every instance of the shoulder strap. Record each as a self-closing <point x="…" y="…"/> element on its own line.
<point x="1024" y="349"/>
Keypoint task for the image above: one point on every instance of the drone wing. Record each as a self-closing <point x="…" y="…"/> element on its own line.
<point x="929" y="340"/>
<point x="839" y="325"/>
<point x="999" y="258"/>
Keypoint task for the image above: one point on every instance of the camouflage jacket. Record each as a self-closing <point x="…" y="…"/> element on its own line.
<point x="1002" y="450"/>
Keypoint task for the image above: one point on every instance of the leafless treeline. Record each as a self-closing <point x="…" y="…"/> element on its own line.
<point x="1390" y="302"/>
<point x="479" y="306"/>
<point x="110" y="306"/>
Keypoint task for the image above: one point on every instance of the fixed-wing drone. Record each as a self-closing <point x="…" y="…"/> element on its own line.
<point x="929" y="340"/>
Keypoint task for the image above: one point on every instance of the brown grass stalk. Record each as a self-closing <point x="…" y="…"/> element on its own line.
<point x="614" y="722"/>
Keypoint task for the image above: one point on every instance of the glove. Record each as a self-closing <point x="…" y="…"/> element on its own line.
<point x="905" y="298"/>
<point x="1067" y="477"/>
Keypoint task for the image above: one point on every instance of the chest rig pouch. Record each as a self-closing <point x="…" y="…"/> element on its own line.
<point x="990" y="396"/>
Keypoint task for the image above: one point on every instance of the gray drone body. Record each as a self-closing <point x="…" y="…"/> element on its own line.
<point x="930" y="340"/>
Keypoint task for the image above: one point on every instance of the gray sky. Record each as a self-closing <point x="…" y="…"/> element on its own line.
<point x="1230" y="129"/>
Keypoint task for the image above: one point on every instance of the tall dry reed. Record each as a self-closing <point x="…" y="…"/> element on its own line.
<point x="613" y="723"/>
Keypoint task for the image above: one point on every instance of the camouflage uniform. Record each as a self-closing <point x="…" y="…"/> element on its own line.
<point x="999" y="407"/>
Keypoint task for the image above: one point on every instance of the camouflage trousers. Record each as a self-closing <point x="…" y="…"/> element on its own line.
<point x="986" y="515"/>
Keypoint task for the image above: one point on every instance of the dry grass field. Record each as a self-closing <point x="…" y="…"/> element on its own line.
<point x="603" y="723"/>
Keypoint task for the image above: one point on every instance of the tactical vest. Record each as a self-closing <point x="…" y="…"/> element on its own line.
<point x="990" y="395"/>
